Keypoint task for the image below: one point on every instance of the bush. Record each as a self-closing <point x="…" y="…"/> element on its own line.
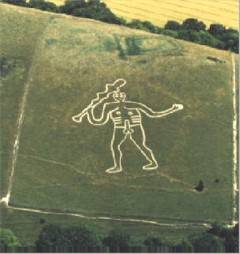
<point x="8" y="239"/>
<point x="144" y="25"/>
<point x="133" y="46"/>
<point x="171" y="33"/>
<point x="136" y="24"/>
<point x="200" y="186"/>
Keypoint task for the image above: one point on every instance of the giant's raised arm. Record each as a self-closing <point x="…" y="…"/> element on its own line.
<point x="155" y="114"/>
<point x="90" y="110"/>
<point x="104" y="118"/>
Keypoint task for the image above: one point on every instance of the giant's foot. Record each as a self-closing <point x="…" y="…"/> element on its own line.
<point x="151" y="166"/>
<point x="113" y="170"/>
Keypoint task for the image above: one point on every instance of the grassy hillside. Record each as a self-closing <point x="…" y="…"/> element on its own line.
<point x="17" y="50"/>
<point x="159" y="12"/>
<point x="65" y="61"/>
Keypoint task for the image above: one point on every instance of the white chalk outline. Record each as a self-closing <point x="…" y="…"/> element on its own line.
<point x="124" y="124"/>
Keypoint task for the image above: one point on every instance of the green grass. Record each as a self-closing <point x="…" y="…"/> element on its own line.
<point x="27" y="226"/>
<point x="71" y="60"/>
<point x="19" y="34"/>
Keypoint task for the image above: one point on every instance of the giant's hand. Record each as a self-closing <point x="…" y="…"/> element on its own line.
<point x="77" y="118"/>
<point x="177" y="107"/>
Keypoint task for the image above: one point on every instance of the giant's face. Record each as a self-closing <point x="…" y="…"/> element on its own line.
<point x="119" y="97"/>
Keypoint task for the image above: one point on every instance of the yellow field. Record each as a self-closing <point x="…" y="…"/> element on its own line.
<point x="160" y="11"/>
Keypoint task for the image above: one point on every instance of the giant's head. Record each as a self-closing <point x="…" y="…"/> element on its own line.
<point x="119" y="96"/>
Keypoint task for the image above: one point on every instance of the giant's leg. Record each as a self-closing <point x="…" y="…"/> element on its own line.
<point x="117" y="140"/>
<point x="138" y="137"/>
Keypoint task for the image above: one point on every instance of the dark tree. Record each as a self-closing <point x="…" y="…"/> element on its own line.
<point x="71" y="5"/>
<point x="94" y="9"/>
<point x="200" y="186"/>
<point x="117" y="241"/>
<point x="185" y="246"/>
<point x="231" y="40"/>
<point x="206" y="38"/>
<point x="81" y="238"/>
<point x="230" y="236"/>
<point x="7" y="65"/>
<point x="236" y="231"/>
<point x="42" y="221"/>
<point x="50" y="238"/>
<point x="43" y="5"/>
<point x="217" y="229"/>
<point x="217" y="30"/>
<point x="153" y="243"/>
<point x="193" y="24"/>
<point x="56" y="238"/>
<point x="189" y="35"/>
<point x="228" y="38"/>
<point x="231" y="244"/>
<point x="16" y="2"/>
<point x="207" y="243"/>
<point x="172" y="25"/>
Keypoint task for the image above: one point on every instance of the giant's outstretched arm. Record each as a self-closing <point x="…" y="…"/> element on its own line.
<point x="154" y="114"/>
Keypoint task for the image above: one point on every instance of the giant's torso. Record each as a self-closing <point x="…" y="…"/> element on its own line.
<point x="123" y="114"/>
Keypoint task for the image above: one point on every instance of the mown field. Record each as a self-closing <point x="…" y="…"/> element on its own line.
<point x="160" y="11"/>
<point x="61" y="165"/>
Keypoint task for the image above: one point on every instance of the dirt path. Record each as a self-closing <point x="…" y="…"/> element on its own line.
<point x="235" y="144"/>
<point x="175" y="225"/>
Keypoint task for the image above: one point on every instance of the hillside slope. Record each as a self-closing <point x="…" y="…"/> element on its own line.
<point x="62" y="62"/>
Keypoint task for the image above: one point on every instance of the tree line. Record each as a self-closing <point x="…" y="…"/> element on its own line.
<point x="216" y="36"/>
<point x="56" y="238"/>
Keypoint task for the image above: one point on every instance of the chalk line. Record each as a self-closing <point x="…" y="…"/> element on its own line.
<point x="235" y="145"/>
